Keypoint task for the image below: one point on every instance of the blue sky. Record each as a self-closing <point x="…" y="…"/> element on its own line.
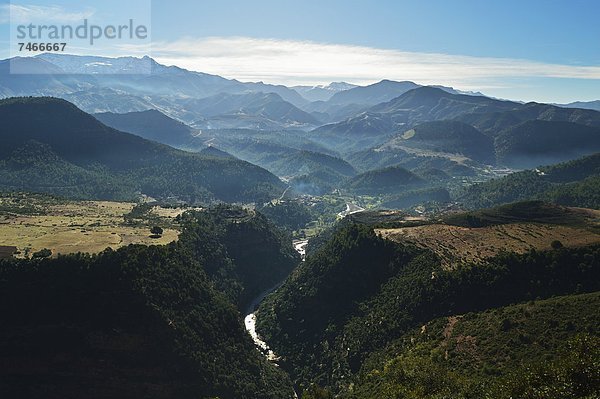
<point x="543" y="50"/>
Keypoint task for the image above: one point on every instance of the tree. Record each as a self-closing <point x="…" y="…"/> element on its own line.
<point x="44" y="253"/>
<point x="556" y="244"/>
<point x="156" y="231"/>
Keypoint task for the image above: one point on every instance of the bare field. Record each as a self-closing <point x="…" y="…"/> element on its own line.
<point x="79" y="226"/>
<point x="464" y="244"/>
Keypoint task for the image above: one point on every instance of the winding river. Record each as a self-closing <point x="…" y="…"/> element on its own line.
<point x="250" y="319"/>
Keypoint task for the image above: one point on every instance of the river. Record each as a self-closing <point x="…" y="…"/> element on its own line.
<point x="250" y="319"/>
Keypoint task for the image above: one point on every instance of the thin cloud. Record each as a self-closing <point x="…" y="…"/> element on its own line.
<point x="299" y="62"/>
<point x="20" y="13"/>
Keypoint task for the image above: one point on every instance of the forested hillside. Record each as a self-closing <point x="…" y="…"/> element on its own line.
<point x="86" y="159"/>
<point x="371" y="292"/>
<point x="573" y="183"/>
<point x="152" y="321"/>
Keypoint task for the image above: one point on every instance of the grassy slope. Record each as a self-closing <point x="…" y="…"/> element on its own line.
<point x="526" y="211"/>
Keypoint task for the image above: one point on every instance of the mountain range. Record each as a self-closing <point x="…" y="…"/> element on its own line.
<point x="376" y="126"/>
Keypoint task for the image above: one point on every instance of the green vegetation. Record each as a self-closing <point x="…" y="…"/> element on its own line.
<point x="546" y="348"/>
<point x="416" y="197"/>
<point x="140" y="320"/>
<point x="290" y="215"/>
<point x="156" y="230"/>
<point x="242" y="251"/>
<point x="305" y="162"/>
<point x="320" y="182"/>
<point x="358" y="293"/>
<point x="43" y="253"/>
<point x="151" y="125"/>
<point x="146" y="320"/>
<point x="538" y="142"/>
<point x="571" y="375"/>
<point x="573" y="183"/>
<point x="392" y="179"/>
<point x="450" y="137"/>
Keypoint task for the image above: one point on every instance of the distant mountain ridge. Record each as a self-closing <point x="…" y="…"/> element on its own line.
<point x="352" y="120"/>
<point x="268" y="107"/>
<point x="559" y="131"/>
<point x="373" y="94"/>
<point x="159" y="77"/>
<point x="416" y="105"/>
<point x="322" y="92"/>
<point x="53" y="74"/>
<point x="594" y="105"/>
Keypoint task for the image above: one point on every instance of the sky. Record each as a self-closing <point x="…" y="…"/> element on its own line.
<point x="529" y="50"/>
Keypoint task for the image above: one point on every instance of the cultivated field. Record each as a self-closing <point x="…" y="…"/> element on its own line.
<point x="455" y="244"/>
<point x="32" y="223"/>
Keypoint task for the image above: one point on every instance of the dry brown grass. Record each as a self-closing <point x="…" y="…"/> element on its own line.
<point x="463" y="244"/>
<point x="86" y="226"/>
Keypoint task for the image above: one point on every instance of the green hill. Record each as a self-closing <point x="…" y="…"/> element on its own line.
<point x="304" y="162"/>
<point x="140" y="321"/>
<point x="450" y="137"/>
<point x="242" y="251"/>
<point x="359" y="293"/>
<point x="108" y="164"/>
<point x="492" y="123"/>
<point x="36" y="167"/>
<point x="537" y="349"/>
<point x="538" y="142"/>
<point x="573" y="183"/>
<point x="151" y="124"/>
<point x="387" y="180"/>
<point x="527" y="211"/>
<point x="155" y="322"/>
<point x="318" y="182"/>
